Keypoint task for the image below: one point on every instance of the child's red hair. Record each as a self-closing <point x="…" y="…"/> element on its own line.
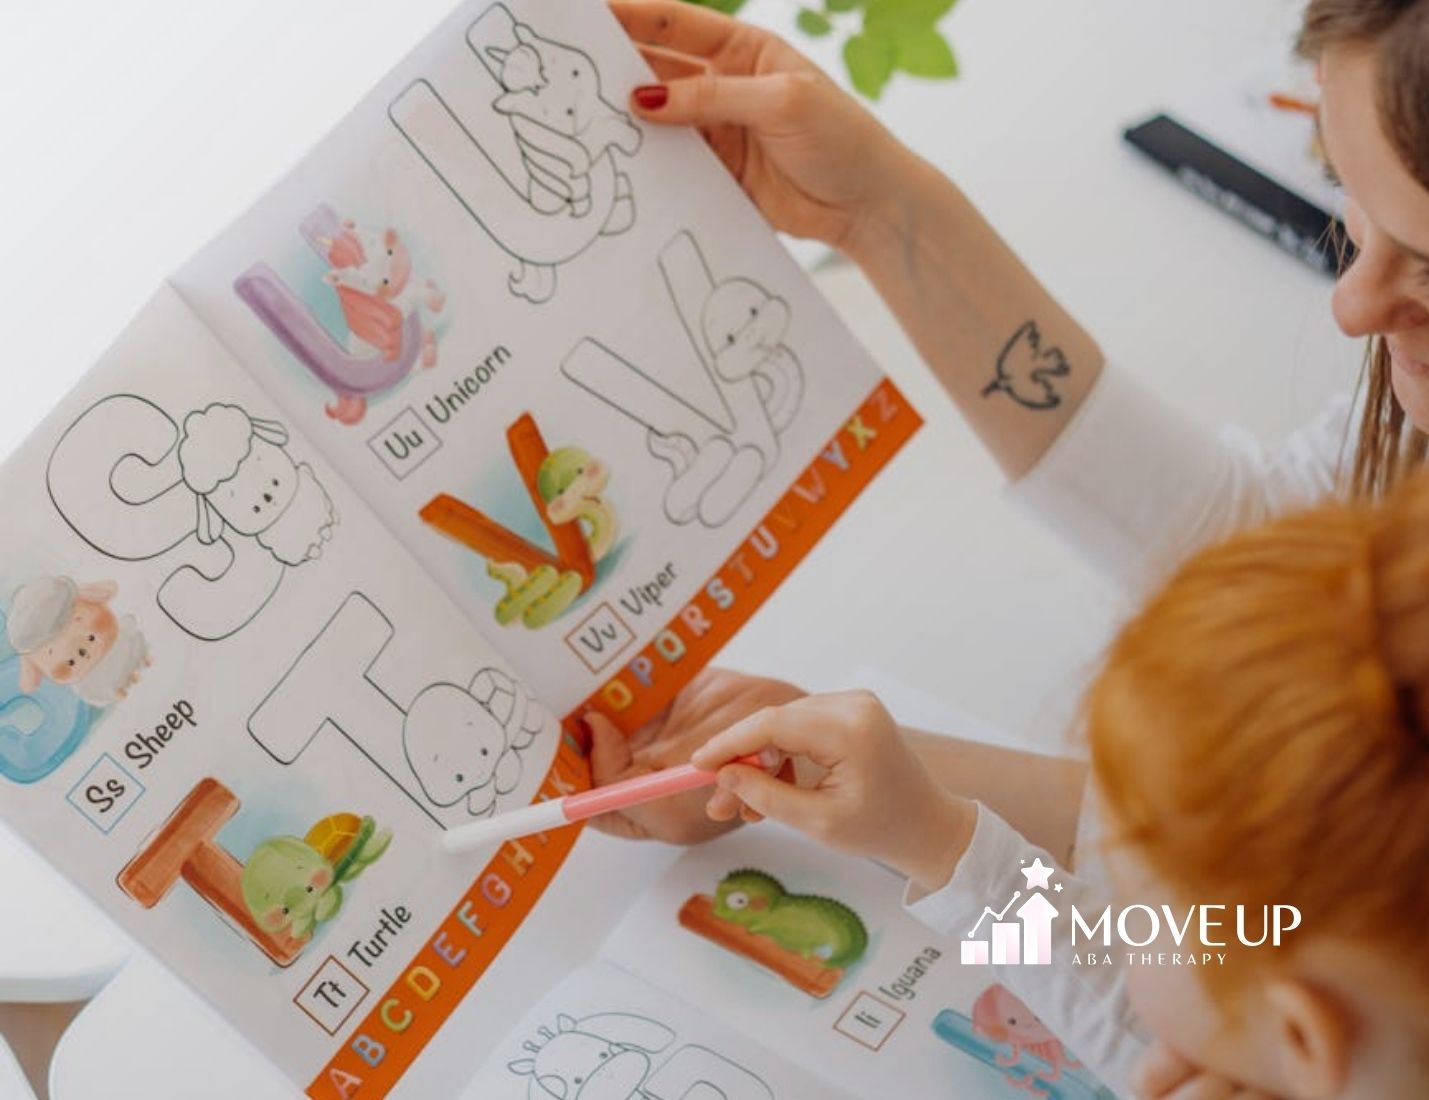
<point x="1260" y="732"/>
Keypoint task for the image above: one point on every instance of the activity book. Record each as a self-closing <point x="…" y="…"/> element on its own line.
<point x="500" y="406"/>
<point x="811" y="983"/>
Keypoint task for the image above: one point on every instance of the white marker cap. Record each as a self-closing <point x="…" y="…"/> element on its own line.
<point x="536" y="818"/>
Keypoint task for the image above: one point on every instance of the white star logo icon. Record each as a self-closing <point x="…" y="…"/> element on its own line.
<point x="1037" y="875"/>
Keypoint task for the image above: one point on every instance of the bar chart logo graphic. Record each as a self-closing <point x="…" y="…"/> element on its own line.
<point x="1025" y="937"/>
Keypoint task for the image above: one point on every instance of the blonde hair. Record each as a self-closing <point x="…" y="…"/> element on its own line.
<point x="1398" y="33"/>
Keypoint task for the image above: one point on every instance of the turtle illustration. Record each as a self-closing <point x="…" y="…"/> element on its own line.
<point x="351" y="843"/>
<point x="813" y="927"/>
<point x="464" y="744"/>
<point x="291" y="886"/>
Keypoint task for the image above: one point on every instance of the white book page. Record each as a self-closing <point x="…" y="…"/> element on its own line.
<point x="491" y="245"/>
<point x="232" y="708"/>
<point x="854" y="988"/>
<point x="604" y="1034"/>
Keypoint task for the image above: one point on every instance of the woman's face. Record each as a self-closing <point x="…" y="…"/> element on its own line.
<point x="1386" y="290"/>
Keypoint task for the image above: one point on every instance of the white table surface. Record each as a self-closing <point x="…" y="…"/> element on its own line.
<point x="149" y="127"/>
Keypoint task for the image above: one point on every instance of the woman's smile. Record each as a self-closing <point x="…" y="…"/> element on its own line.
<point x="1417" y="369"/>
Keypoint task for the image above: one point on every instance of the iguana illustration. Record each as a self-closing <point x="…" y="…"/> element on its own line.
<point x="813" y="927"/>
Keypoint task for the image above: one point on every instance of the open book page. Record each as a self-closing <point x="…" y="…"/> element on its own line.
<point x="604" y="1034"/>
<point x="236" y="712"/>
<point x="778" y="937"/>
<point x="558" y="352"/>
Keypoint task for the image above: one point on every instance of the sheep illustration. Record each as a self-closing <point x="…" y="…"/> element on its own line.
<point x="218" y="500"/>
<point x="245" y="482"/>
<point x="610" y="1056"/>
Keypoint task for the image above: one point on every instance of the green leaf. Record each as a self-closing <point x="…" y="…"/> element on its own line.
<point x="838" y="6"/>
<point x="813" y="23"/>
<point x="729" y="7"/>
<point x="902" y="16"/>
<point x="869" y="58"/>
<point x="925" y="53"/>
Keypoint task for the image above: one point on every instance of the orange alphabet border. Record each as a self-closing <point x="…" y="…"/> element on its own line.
<point x="373" y="1058"/>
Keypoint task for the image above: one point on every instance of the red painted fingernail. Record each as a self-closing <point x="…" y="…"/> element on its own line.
<point x="585" y="731"/>
<point x="651" y="97"/>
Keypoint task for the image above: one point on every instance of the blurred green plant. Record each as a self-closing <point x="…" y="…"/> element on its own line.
<point x="880" y="37"/>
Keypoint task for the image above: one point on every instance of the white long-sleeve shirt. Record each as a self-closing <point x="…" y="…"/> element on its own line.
<point x="1134" y="486"/>
<point x="1083" y="1006"/>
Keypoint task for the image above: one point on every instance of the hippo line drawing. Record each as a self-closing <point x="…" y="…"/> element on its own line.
<point x="539" y="174"/>
<point x="616" y="1056"/>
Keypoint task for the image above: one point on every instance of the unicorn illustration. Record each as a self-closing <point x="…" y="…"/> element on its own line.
<point x="390" y="312"/>
<point x="371" y="270"/>
<point x="543" y="172"/>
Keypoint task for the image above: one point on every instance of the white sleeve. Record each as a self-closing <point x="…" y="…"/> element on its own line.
<point x="1134" y="485"/>
<point x="1084" y="1006"/>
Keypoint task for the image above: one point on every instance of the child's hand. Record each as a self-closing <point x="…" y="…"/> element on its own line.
<point x="875" y="798"/>
<point x="1165" y="1075"/>
<point x="710" y="703"/>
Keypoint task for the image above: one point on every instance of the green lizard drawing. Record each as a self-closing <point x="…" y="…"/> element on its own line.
<point x="813" y="927"/>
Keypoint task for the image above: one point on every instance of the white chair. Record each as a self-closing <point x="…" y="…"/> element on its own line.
<point x="147" y="1036"/>
<point x="55" y="944"/>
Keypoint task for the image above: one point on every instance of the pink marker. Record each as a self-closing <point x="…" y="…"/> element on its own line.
<point x="556" y="812"/>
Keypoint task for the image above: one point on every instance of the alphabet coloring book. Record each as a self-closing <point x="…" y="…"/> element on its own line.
<point x="500" y="406"/>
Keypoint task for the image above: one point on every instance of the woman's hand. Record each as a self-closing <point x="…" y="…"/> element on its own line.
<point x="875" y="797"/>
<point x="1165" y="1075"/>
<point x="712" y="702"/>
<point x="812" y="159"/>
<point x="818" y="165"/>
